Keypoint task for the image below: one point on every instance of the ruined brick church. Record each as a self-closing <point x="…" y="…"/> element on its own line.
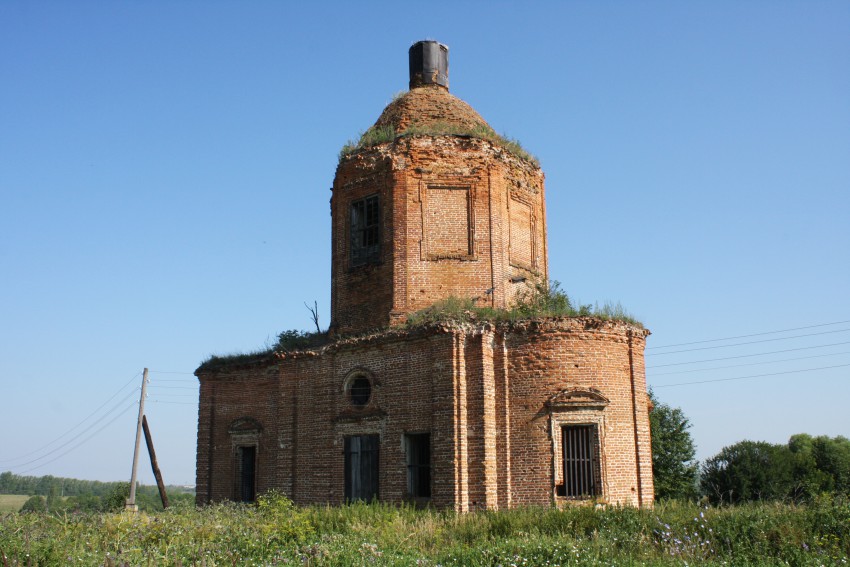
<point x="456" y="415"/>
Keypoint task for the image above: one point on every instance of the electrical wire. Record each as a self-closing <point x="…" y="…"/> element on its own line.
<point x="749" y="364"/>
<point x="748" y="342"/>
<point x="105" y="425"/>
<point x="80" y="434"/>
<point x="173" y="397"/>
<point x="747" y="336"/>
<point x="748" y="377"/>
<point x="745" y="355"/>
<point x="68" y="432"/>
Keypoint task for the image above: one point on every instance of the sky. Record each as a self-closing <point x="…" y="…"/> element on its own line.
<point x="164" y="196"/>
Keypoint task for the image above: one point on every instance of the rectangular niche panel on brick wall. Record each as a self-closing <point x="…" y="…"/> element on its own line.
<point x="521" y="234"/>
<point x="448" y="222"/>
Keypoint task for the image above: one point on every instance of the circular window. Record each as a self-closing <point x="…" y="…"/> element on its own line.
<point x="360" y="391"/>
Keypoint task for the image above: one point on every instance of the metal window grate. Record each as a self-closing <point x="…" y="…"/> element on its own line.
<point x="579" y="449"/>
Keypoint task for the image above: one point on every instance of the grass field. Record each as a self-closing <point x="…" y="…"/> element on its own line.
<point x="12" y="502"/>
<point x="276" y="533"/>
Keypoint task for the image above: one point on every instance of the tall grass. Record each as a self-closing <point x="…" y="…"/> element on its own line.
<point x="277" y="533"/>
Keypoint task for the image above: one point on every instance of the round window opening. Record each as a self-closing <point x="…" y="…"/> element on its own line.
<point x="360" y="391"/>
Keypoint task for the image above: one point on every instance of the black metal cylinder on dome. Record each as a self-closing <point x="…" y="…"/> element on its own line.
<point x="429" y="64"/>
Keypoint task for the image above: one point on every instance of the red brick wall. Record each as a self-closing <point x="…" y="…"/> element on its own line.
<point x="361" y="296"/>
<point x="461" y="218"/>
<point x="552" y="356"/>
<point x="480" y="392"/>
<point x="231" y="395"/>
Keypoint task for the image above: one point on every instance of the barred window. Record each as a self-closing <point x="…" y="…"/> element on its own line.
<point x="581" y="469"/>
<point x="365" y="231"/>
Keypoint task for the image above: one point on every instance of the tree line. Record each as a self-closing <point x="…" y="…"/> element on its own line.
<point x="41" y="485"/>
<point x="797" y="471"/>
<point x="56" y="494"/>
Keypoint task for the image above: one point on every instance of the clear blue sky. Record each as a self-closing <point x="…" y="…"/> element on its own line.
<point x="165" y="171"/>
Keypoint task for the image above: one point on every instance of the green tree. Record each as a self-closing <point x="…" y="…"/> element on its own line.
<point x="7" y="480"/>
<point x="117" y="498"/>
<point x="674" y="469"/>
<point x="821" y="465"/>
<point x="53" y="501"/>
<point x="34" y="504"/>
<point x="747" y="471"/>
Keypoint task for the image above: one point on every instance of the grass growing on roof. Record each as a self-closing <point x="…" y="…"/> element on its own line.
<point x="539" y="300"/>
<point x="287" y="341"/>
<point x="382" y="134"/>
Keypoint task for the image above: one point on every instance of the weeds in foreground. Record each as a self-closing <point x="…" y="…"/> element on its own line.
<point x="274" y="532"/>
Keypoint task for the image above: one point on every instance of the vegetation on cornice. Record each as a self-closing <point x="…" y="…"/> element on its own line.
<point x="538" y="300"/>
<point x="382" y="134"/>
<point x="218" y="361"/>
<point x="287" y="341"/>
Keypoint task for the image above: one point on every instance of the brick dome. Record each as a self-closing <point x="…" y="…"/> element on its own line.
<point x="431" y="107"/>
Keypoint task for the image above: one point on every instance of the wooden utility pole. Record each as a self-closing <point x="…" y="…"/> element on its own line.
<point x="131" y="501"/>
<point x="157" y="475"/>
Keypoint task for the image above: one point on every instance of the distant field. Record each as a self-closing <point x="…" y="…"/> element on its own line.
<point x="12" y="502"/>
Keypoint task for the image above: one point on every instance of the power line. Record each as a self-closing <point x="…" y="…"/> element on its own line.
<point x="750" y="364"/>
<point x="175" y="403"/>
<point x="170" y="372"/>
<point x="747" y="336"/>
<point x="80" y="434"/>
<point x="81" y="443"/>
<point x="748" y="342"/>
<point x="68" y="432"/>
<point x="165" y="395"/>
<point x="748" y="377"/>
<point x="746" y="355"/>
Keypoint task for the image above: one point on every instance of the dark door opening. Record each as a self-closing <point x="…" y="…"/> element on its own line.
<point x="418" y="447"/>
<point x="361" y="468"/>
<point x="247" y="464"/>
